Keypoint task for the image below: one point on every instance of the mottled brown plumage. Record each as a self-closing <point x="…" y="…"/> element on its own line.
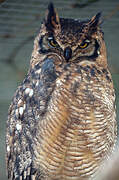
<point x="62" y="120"/>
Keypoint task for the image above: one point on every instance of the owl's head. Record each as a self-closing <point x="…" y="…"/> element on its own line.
<point x="71" y="40"/>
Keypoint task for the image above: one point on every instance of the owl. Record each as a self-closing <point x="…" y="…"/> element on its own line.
<point x="62" y="120"/>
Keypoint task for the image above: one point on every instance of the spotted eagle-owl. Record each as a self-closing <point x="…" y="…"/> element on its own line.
<point x="62" y="122"/>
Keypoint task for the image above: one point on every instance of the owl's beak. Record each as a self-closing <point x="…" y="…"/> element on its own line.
<point x="67" y="53"/>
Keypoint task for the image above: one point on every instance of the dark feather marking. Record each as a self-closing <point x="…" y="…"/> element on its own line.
<point x="42" y="49"/>
<point x="92" y="72"/>
<point x="95" y="54"/>
<point x="79" y="69"/>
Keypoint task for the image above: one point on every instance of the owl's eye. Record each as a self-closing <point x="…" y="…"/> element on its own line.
<point x="52" y="42"/>
<point x="84" y="44"/>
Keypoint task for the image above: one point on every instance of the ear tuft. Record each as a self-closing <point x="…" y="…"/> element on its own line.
<point x="52" y="20"/>
<point x="95" y="20"/>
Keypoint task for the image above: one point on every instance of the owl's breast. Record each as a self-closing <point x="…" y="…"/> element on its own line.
<point x="78" y="131"/>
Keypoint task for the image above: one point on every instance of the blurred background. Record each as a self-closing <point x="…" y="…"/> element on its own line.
<point x="20" y="22"/>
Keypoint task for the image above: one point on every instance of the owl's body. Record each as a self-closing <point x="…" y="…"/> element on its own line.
<point x="62" y="121"/>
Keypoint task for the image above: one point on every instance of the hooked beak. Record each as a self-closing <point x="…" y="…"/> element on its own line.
<point x="67" y="53"/>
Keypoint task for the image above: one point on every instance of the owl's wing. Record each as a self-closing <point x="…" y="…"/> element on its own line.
<point x="28" y="106"/>
<point x="20" y="131"/>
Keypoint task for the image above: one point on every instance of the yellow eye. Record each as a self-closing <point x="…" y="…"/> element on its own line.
<point x="84" y="45"/>
<point x="52" y="42"/>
